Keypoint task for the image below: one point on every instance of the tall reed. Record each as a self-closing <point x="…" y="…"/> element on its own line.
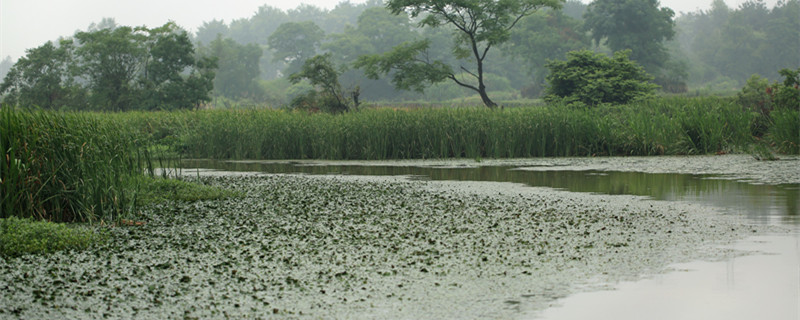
<point x="665" y="126"/>
<point x="65" y="166"/>
<point x="784" y="133"/>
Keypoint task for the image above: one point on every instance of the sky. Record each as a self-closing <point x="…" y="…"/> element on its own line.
<point x="26" y="24"/>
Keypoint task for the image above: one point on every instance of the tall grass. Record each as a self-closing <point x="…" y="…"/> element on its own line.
<point x="66" y="166"/>
<point x="666" y="126"/>
<point x="784" y="133"/>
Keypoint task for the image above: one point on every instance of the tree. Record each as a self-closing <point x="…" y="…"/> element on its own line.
<point x="478" y="26"/>
<point x="544" y="35"/>
<point x="322" y="74"/>
<point x="638" y="25"/>
<point x="44" y="78"/>
<point x="164" y="84"/>
<point x="116" y="68"/>
<point x="294" y="42"/>
<point x="594" y="78"/>
<point x="112" y="59"/>
<point x="237" y="68"/>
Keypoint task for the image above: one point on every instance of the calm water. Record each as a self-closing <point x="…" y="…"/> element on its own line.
<point x="769" y="204"/>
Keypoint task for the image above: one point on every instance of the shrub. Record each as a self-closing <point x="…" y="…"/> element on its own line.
<point x="593" y="78"/>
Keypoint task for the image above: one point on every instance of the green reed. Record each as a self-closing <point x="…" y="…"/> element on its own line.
<point x="784" y="132"/>
<point x="664" y="126"/>
<point x="66" y="166"/>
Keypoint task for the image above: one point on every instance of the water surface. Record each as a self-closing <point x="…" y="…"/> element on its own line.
<point x="768" y="204"/>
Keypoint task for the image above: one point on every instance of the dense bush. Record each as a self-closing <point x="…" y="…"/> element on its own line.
<point x="594" y="78"/>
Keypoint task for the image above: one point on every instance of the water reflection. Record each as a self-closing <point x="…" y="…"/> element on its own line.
<point x="769" y="204"/>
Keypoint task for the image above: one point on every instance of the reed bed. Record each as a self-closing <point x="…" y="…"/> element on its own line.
<point x="66" y="166"/>
<point x="666" y="126"/>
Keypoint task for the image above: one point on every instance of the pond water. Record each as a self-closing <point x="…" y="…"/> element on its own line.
<point x="768" y="204"/>
<point x="765" y="285"/>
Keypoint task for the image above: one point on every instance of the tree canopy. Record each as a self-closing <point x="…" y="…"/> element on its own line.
<point x="594" y="78"/>
<point x="477" y="26"/>
<point x="113" y="68"/>
<point x="638" y="25"/>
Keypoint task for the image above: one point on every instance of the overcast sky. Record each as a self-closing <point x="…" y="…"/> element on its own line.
<point x="28" y="24"/>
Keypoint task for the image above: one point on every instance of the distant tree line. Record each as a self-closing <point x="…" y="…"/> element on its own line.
<point x="714" y="50"/>
<point x="113" y="68"/>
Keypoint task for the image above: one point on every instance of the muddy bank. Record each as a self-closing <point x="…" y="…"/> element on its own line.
<point x="364" y="247"/>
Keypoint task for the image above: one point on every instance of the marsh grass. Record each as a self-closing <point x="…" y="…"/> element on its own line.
<point x="66" y="166"/>
<point x="784" y="132"/>
<point x="659" y="127"/>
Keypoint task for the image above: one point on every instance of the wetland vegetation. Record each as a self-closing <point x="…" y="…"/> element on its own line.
<point x="95" y="209"/>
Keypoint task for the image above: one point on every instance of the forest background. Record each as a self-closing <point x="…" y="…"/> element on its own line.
<point x="709" y="52"/>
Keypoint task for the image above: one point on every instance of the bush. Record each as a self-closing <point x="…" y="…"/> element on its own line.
<point x="593" y="78"/>
<point x="25" y="236"/>
<point x="762" y="98"/>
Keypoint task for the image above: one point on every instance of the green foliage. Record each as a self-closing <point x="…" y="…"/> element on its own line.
<point x="544" y="35"/>
<point x="593" y="78"/>
<point x="156" y="190"/>
<point x="784" y="132"/>
<point x="636" y="25"/>
<point x="20" y="237"/>
<point x="478" y="26"/>
<point x="738" y="42"/>
<point x="237" y="68"/>
<point x="294" y="42"/>
<point x="409" y="73"/>
<point x="44" y="78"/>
<point x="66" y="166"/>
<point x="762" y="98"/>
<point x="114" y="68"/>
<point x="329" y="95"/>
<point x="787" y="94"/>
<point x="653" y="127"/>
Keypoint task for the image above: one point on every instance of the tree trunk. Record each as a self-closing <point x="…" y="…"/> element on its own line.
<point x="485" y="97"/>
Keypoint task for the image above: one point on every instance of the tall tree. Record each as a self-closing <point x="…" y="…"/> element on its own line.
<point x="44" y="78"/>
<point x="478" y="26"/>
<point x="116" y="68"/>
<point x="542" y="36"/>
<point x="294" y="42"/>
<point x="238" y="68"/>
<point x="638" y="25"/>
<point x="112" y="59"/>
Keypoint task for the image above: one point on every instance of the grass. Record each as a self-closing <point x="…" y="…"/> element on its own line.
<point x="784" y="133"/>
<point x="157" y="190"/>
<point x="665" y="126"/>
<point x="25" y="236"/>
<point x="66" y="166"/>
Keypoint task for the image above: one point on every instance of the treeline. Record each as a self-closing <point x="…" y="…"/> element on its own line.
<point x="713" y="51"/>
<point x="116" y="68"/>
<point x="725" y="46"/>
<point x="248" y="61"/>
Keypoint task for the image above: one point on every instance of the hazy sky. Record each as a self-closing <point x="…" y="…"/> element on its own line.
<point x="28" y="24"/>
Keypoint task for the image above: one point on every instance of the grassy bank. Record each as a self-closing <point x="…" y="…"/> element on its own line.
<point x="662" y="127"/>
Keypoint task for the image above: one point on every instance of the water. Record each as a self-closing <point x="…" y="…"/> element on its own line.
<point x="765" y="285"/>
<point x="767" y="204"/>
